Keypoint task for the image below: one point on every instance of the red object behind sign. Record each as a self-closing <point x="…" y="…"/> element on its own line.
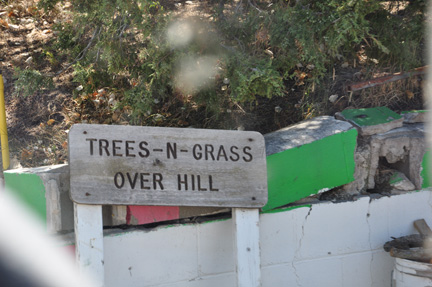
<point x="137" y="214"/>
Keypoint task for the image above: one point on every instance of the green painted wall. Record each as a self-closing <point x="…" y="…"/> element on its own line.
<point x="425" y="173"/>
<point x="302" y="171"/>
<point x="30" y="189"/>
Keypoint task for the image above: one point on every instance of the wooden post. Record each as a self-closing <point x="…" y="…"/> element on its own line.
<point x="247" y="249"/>
<point x="89" y="241"/>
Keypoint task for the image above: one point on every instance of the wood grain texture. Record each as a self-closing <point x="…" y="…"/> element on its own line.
<point x="166" y="166"/>
<point x="422" y="227"/>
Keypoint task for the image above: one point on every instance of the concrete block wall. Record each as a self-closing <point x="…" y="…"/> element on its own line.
<point x="305" y="159"/>
<point x="325" y="244"/>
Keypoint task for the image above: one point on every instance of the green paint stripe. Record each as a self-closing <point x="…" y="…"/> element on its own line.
<point x="30" y="189"/>
<point x="426" y="170"/>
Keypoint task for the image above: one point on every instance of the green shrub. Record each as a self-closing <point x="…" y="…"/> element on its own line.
<point x="263" y="48"/>
<point x="28" y="82"/>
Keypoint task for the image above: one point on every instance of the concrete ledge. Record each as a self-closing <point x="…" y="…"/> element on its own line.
<point x="304" y="133"/>
<point x="418" y="116"/>
<point x="372" y="121"/>
<point x="309" y="158"/>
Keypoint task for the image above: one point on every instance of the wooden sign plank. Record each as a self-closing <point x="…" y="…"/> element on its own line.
<point x="166" y="166"/>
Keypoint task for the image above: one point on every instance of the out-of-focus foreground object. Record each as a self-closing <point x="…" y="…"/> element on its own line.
<point x="28" y="256"/>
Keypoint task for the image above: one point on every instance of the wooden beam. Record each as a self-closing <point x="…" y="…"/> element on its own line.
<point x="420" y="254"/>
<point x="422" y="227"/>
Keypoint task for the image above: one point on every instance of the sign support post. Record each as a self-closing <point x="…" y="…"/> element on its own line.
<point x="247" y="249"/>
<point x="89" y="241"/>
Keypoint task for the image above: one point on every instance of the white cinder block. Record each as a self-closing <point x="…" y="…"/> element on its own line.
<point x="379" y="215"/>
<point x="381" y="268"/>
<point x="278" y="275"/>
<point x="394" y="216"/>
<point x="319" y="272"/>
<point x="280" y="234"/>
<point x="407" y="208"/>
<point x="223" y="280"/>
<point x="335" y="245"/>
<point x="151" y="258"/>
<point x="216" y="247"/>
<point x="356" y="270"/>
<point x="335" y="229"/>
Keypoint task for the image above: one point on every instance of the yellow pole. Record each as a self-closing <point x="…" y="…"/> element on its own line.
<point x="3" y="128"/>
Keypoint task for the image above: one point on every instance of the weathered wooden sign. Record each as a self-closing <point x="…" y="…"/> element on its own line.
<point x="166" y="166"/>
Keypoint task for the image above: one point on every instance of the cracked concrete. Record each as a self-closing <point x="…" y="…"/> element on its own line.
<point x="362" y="158"/>
<point x="296" y="255"/>
<point x="368" y="215"/>
<point x="388" y="162"/>
<point x="403" y="149"/>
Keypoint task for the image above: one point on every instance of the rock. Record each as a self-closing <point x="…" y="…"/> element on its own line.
<point x="414" y="117"/>
<point x="13" y="27"/>
<point x="333" y="98"/>
<point x="399" y="181"/>
<point x="402" y="149"/>
<point x="362" y="158"/>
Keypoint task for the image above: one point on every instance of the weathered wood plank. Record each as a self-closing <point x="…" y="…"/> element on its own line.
<point x="89" y="241"/>
<point x="422" y="227"/>
<point x="247" y="249"/>
<point x="166" y="166"/>
<point x="418" y="254"/>
<point x="405" y="242"/>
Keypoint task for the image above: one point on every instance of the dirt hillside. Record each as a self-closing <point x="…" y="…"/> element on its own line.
<point x="38" y="124"/>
